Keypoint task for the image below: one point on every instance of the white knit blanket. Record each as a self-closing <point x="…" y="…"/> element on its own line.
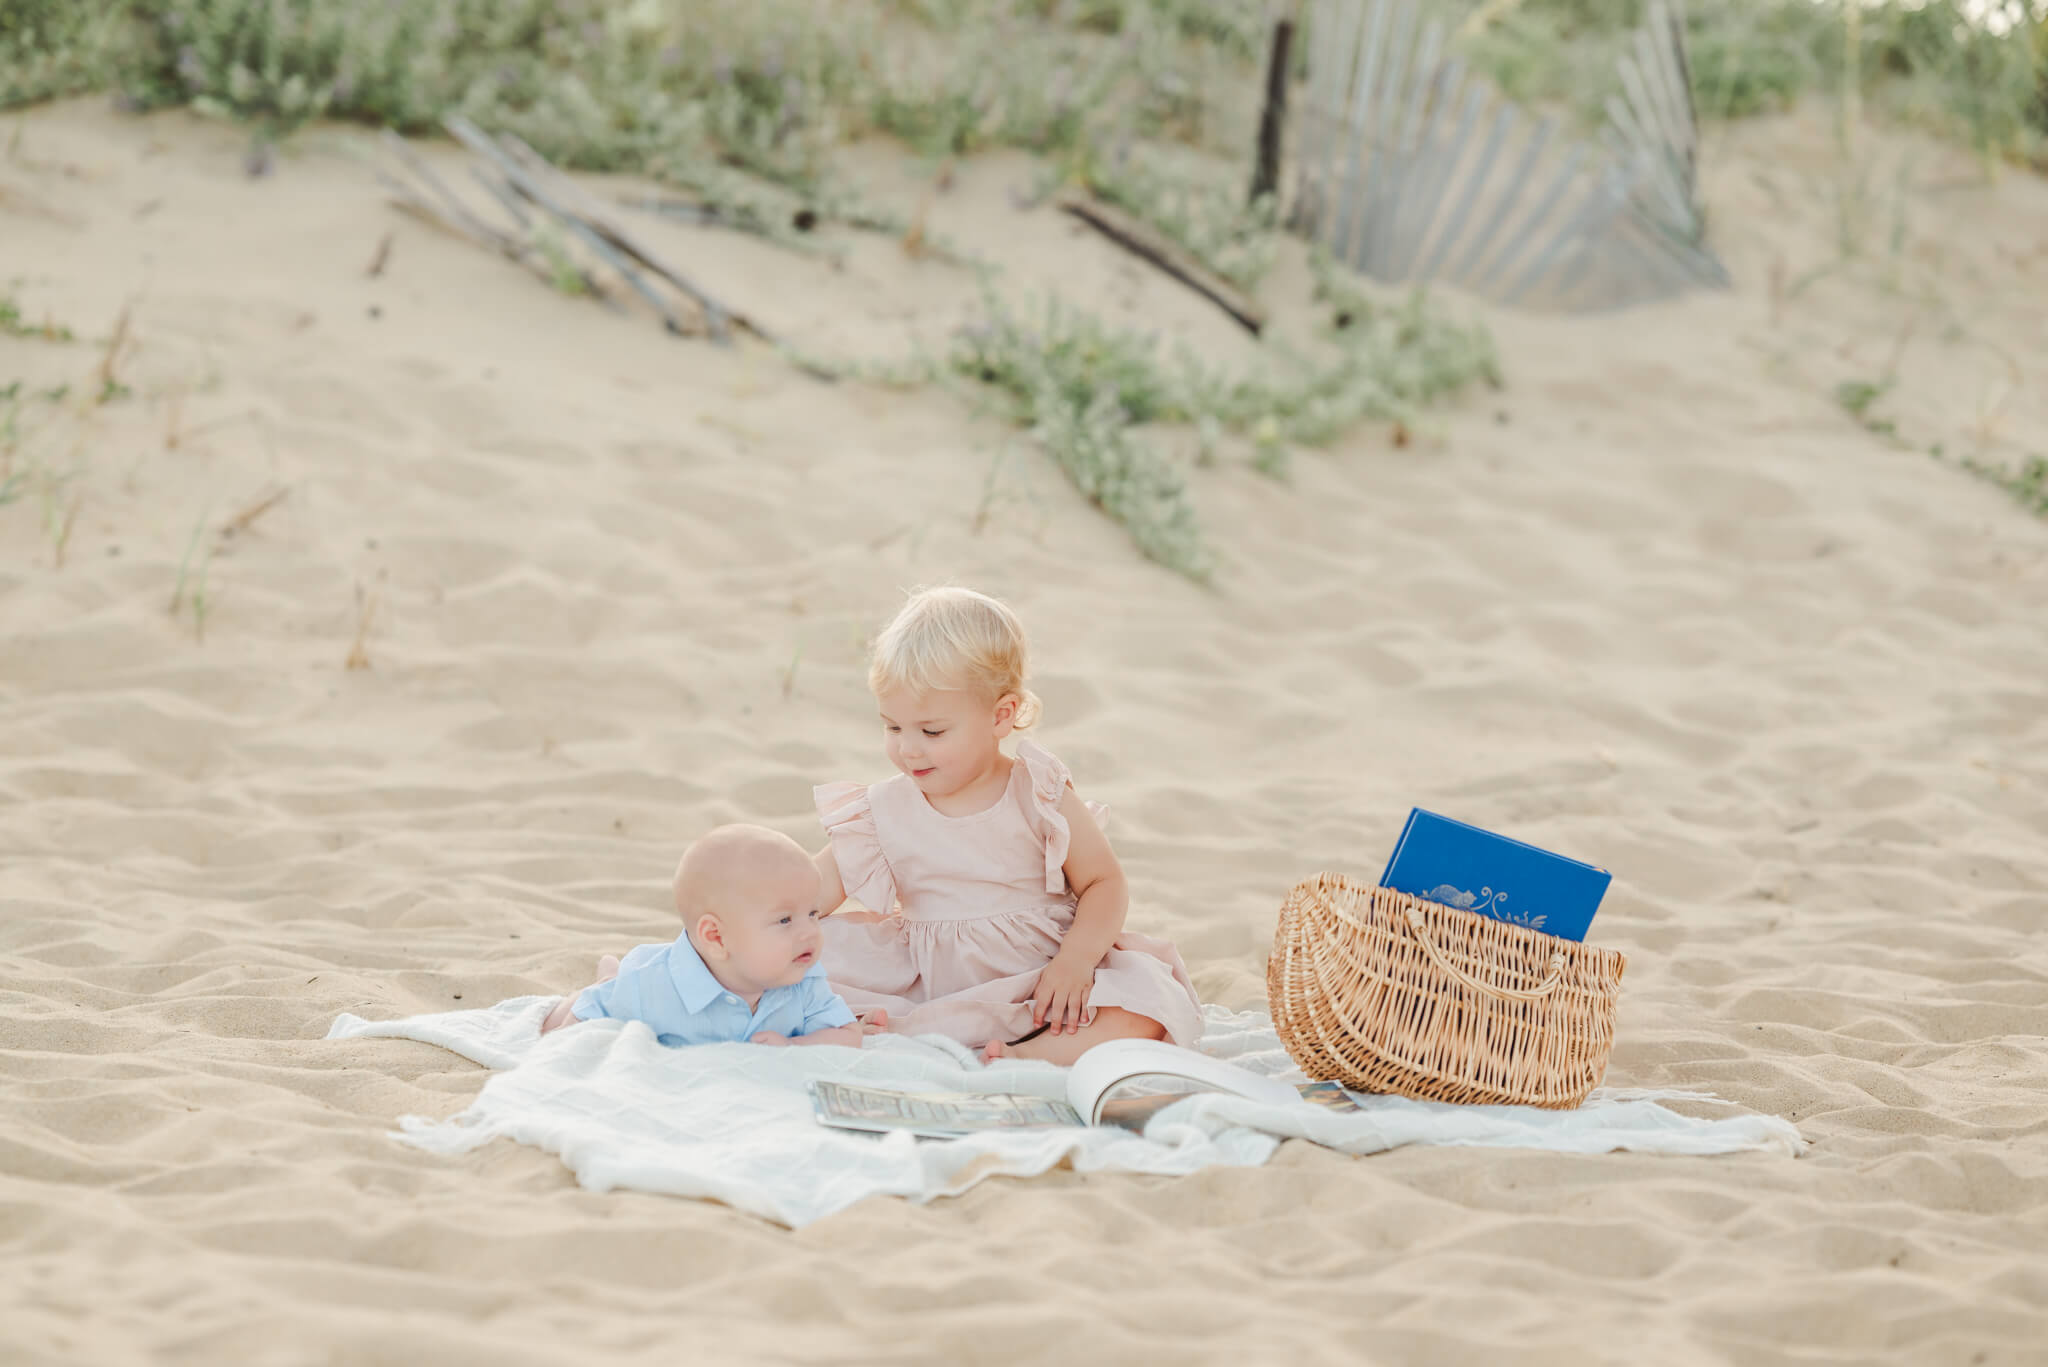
<point x="733" y="1122"/>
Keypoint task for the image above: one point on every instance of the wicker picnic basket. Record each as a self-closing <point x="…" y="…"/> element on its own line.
<point x="1384" y="992"/>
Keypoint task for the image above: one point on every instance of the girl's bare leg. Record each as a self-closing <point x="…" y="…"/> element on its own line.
<point x="1111" y="1022"/>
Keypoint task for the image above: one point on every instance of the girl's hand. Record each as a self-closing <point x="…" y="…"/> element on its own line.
<point x="1061" y="996"/>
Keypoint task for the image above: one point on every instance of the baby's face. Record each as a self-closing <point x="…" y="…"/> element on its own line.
<point x="773" y="936"/>
<point x="943" y="739"/>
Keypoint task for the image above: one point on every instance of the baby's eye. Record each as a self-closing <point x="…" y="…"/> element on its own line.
<point x="785" y="921"/>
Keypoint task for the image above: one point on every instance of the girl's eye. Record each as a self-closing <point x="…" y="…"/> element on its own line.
<point x="892" y="728"/>
<point x="935" y="734"/>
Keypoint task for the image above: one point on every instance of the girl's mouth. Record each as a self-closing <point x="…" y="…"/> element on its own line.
<point x="920" y="773"/>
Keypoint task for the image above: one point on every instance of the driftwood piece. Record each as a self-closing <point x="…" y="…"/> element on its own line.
<point x="1143" y="240"/>
<point x="451" y="209"/>
<point x="509" y="195"/>
<point x="527" y="180"/>
<point x="597" y="217"/>
<point x="516" y="177"/>
<point x="504" y="194"/>
<point x="437" y="216"/>
<point x="705" y="214"/>
<point x="536" y="178"/>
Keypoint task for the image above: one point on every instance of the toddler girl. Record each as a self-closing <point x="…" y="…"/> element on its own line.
<point x="1010" y="930"/>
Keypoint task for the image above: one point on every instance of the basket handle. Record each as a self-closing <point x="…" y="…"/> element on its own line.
<point x="1537" y="993"/>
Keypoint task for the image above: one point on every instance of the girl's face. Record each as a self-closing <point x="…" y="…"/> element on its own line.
<point x="946" y="739"/>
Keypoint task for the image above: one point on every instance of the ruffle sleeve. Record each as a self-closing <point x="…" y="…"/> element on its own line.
<point x="849" y="820"/>
<point x="1049" y="781"/>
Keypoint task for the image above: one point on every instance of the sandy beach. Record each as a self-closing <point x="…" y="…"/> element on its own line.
<point x="1659" y="602"/>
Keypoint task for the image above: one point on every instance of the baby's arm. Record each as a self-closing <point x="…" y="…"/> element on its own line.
<point x="846" y="1036"/>
<point x="1103" y="899"/>
<point x="827" y="1019"/>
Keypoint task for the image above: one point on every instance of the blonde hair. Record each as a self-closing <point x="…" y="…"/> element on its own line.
<point x="954" y="638"/>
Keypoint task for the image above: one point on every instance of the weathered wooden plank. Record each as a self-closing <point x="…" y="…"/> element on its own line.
<point x="1361" y="126"/>
<point x="1425" y="86"/>
<point x="1442" y="153"/>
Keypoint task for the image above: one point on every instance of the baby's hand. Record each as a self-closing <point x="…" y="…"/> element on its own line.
<point x="770" y="1037"/>
<point x="1061" y="997"/>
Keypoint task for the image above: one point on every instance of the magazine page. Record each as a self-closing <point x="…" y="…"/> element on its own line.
<point x="1131" y="1102"/>
<point x="1106" y="1065"/>
<point x="937" y="1115"/>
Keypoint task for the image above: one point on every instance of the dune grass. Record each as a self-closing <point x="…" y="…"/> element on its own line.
<point x="744" y="102"/>
<point x="1085" y="389"/>
<point x="2026" y="480"/>
<point x="1930" y="62"/>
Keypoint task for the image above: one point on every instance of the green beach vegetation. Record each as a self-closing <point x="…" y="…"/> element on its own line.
<point x="743" y="102"/>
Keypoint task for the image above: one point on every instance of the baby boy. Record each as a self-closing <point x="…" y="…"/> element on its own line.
<point x="746" y="965"/>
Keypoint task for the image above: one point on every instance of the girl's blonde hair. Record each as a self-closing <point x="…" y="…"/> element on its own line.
<point x="954" y="638"/>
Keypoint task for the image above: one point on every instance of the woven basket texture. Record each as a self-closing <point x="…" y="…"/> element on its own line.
<point x="1384" y="992"/>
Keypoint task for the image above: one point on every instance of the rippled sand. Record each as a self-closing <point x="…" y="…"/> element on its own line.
<point x="1661" y="604"/>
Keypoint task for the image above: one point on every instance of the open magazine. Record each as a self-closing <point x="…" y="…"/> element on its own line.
<point x="1124" y="1082"/>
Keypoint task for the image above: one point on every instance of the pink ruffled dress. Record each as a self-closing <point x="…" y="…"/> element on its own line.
<point x="965" y="911"/>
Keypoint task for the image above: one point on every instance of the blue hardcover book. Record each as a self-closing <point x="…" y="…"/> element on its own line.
<point x="1462" y="866"/>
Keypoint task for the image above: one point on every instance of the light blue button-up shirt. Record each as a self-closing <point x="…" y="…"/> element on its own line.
<point x="670" y="989"/>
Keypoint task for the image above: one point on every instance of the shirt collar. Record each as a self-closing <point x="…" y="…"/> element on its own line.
<point x="694" y="983"/>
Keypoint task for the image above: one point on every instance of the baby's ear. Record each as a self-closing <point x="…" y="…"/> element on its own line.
<point x="710" y="934"/>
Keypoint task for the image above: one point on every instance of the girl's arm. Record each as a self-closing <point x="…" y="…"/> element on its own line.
<point x="831" y="888"/>
<point x="1097" y="880"/>
<point x="1103" y="898"/>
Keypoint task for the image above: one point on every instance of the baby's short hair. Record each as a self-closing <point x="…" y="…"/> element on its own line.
<point x="952" y="637"/>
